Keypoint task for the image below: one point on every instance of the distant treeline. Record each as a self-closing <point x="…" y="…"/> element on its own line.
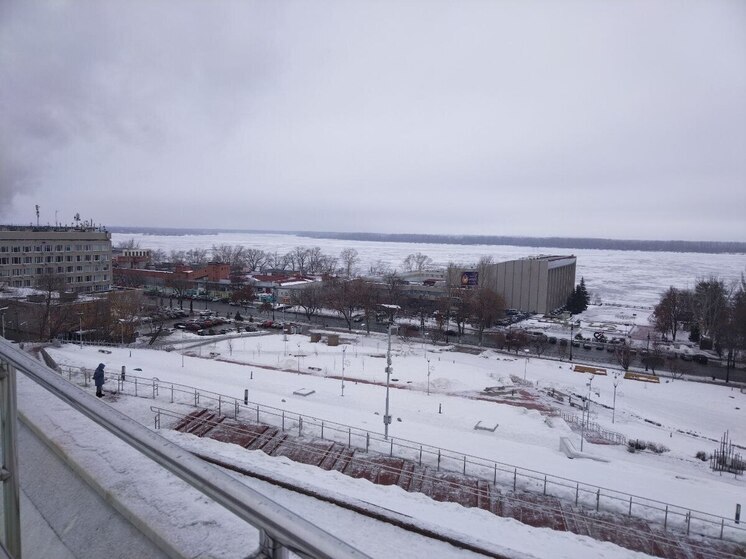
<point x="549" y="242"/>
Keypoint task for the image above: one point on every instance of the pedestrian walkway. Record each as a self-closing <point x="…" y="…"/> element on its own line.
<point x="529" y="508"/>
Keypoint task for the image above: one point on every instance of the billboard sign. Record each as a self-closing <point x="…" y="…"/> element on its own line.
<point x="469" y="279"/>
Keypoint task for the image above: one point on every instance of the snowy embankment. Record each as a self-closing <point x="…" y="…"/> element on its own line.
<point x="686" y="417"/>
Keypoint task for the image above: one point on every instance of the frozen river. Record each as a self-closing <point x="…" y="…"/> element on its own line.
<point x="617" y="276"/>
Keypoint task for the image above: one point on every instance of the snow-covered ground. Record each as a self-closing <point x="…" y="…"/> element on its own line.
<point x="684" y="416"/>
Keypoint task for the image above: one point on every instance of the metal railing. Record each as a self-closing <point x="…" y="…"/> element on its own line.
<point x="478" y="493"/>
<point x="281" y="531"/>
<point x="589" y="496"/>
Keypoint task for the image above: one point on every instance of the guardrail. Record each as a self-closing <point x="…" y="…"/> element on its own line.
<point x="593" y="497"/>
<point x="281" y="530"/>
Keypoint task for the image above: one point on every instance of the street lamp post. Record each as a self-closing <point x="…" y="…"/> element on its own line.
<point x="613" y="406"/>
<point x="428" y="377"/>
<point x="572" y="327"/>
<point x="525" y="363"/>
<point x="344" y="350"/>
<point x="586" y="414"/>
<point x="389" y="369"/>
<point x="80" y="328"/>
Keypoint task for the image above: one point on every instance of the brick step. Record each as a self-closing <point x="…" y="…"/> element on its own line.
<point x="202" y="425"/>
<point x="187" y="419"/>
<point x="389" y="470"/>
<point x="263" y="438"/>
<point x="304" y="452"/>
<point x="484" y="495"/>
<point x="242" y="434"/>
<point x="332" y="455"/>
<point x="405" y="476"/>
<point x="274" y="444"/>
<point x="343" y="460"/>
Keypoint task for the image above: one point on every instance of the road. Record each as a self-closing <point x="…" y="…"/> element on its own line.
<point x="593" y="356"/>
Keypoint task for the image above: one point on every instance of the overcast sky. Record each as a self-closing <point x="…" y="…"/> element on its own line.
<point x="592" y="118"/>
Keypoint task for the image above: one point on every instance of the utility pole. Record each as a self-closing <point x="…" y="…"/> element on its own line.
<point x="344" y="350"/>
<point x="613" y="407"/>
<point x="389" y="369"/>
<point x="80" y="328"/>
<point x="572" y="327"/>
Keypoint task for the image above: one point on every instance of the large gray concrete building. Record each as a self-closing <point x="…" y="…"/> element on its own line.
<point x="536" y="284"/>
<point x="80" y="256"/>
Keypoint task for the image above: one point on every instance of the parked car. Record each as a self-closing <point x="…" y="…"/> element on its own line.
<point x="699" y="358"/>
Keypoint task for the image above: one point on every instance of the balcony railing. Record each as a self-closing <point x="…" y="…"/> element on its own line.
<point x="281" y="530"/>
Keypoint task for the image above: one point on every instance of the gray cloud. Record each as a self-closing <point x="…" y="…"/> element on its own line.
<point x="578" y="119"/>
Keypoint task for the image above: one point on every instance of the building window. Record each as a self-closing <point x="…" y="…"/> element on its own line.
<point x="4" y="260"/>
<point x="26" y="249"/>
<point x="67" y="248"/>
<point x="3" y="249"/>
<point x="78" y="279"/>
<point x="59" y="269"/>
<point x="68" y="258"/>
<point x="47" y="248"/>
<point x="26" y="283"/>
<point x="78" y="258"/>
<point x="37" y="248"/>
<point x="88" y="278"/>
<point x="78" y="268"/>
<point x="69" y="269"/>
<point x="16" y="260"/>
<point x="16" y="249"/>
<point x="58" y="248"/>
<point x="27" y="260"/>
<point x="58" y="258"/>
<point x="87" y="257"/>
<point x="39" y="271"/>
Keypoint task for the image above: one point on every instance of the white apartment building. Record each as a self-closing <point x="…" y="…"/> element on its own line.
<point x="80" y="255"/>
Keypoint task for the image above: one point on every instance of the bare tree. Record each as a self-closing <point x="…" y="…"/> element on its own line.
<point x="50" y="284"/>
<point x="516" y="340"/>
<point x="180" y="286"/>
<point x="158" y="256"/>
<point x="196" y="256"/>
<point x="177" y="257"/>
<point x="129" y="244"/>
<point x="485" y="307"/>
<point x="623" y="355"/>
<point x="672" y="309"/>
<point x="349" y="258"/>
<point x="416" y="262"/>
<point x="310" y="299"/>
<point x="709" y="306"/>
<point x="379" y="268"/>
<point x="344" y="297"/>
<point x="539" y="344"/>
<point x="255" y="259"/>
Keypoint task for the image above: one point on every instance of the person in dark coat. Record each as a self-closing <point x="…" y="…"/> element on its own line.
<point x="98" y="379"/>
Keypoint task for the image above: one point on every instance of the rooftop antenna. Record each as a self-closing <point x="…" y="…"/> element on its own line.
<point x="37" y="215"/>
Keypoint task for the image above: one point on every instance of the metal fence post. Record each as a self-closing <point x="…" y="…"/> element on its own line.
<point x="494" y="477"/>
<point x="349" y="437"/>
<point x="235" y="409"/>
<point x="577" y="492"/>
<point x="464" y="464"/>
<point x="220" y="405"/>
<point x="367" y="440"/>
<point x="688" y="521"/>
<point x="172" y="393"/>
<point x="11" y="493"/>
<point x="665" y="519"/>
<point x="598" y="499"/>
<point x="420" y="455"/>
<point x="438" y="460"/>
<point x="630" y="506"/>
<point x="300" y="425"/>
<point x="322" y="430"/>
<point x="545" y="484"/>
<point x="283" y="421"/>
<point x="515" y="478"/>
<point x="391" y="452"/>
<point x="135" y="387"/>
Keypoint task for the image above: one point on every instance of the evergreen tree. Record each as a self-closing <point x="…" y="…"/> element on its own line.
<point x="586" y="299"/>
<point x="578" y="300"/>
